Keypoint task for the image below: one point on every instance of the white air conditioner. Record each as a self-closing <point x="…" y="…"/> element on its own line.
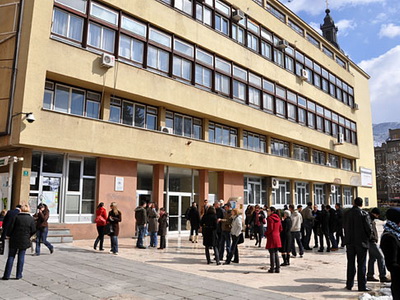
<point x="355" y="106"/>
<point x="304" y="74"/>
<point x="238" y="15"/>
<point x="107" y="60"/>
<point x="328" y="164"/>
<point x="282" y="44"/>
<point x="166" y="129"/>
<point x="340" y="138"/>
<point x="274" y="183"/>
<point x="333" y="189"/>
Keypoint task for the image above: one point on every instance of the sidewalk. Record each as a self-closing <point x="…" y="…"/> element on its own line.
<point x="76" y="271"/>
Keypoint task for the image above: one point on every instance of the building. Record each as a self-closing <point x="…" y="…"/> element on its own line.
<point x="387" y="164"/>
<point x="179" y="101"/>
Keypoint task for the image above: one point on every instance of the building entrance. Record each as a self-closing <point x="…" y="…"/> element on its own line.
<point x="178" y="203"/>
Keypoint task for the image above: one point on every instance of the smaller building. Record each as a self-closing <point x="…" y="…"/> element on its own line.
<point x="387" y="163"/>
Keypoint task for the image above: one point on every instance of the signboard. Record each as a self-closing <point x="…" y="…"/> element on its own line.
<point x="3" y="190"/>
<point x="119" y="184"/>
<point x="4" y="161"/>
<point x="366" y="177"/>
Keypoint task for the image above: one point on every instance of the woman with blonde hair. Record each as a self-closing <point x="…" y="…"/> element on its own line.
<point x="114" y="217"/>
<point x="236" y="232"/>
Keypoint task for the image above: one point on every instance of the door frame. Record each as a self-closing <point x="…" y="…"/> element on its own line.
<point x="180" y="213"/>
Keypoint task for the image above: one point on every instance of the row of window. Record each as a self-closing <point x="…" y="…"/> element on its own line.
<point x="77" y="101"/>
<point x="259" y="39"/>
<point x="255" y="192"/>
<point x="174" y="57"/>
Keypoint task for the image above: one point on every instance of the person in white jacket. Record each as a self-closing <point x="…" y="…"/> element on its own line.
<point x="236" y="231"/>
<point x="297" y="220"/>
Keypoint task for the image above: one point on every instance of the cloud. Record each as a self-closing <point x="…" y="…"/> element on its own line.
<point x="384" y="85"/>
<point x="316" y="27"/>
<point x="316" y="7"/>
<point x="380" y="18"/>
<point x="345" y="26"/>
<point x="389" y="30"/>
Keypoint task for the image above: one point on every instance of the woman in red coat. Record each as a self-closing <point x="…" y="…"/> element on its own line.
<point x="101" y="221"/>
<point x="274" y="228"/>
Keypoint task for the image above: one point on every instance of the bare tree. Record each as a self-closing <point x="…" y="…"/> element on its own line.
<point x="388" y="172"/>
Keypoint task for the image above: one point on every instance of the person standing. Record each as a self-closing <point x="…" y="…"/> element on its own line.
<point x="42" y="216"/>
<point x="153" y="216"/>
<point x="20" y="230"/>
<point x="248" y="222"/>
<point x="374" y="253"/>
<point x="209" y="226"/>
<point x="114" y="218"/>
<point x="323" y="222"/>
<point x="332" y="227"/>
<point x="226" y="226"/>
<point x="141" y="222"/>
<point x="286" y="238"/>
<point x="390" y="245"/>
<point x="6" y="223"/>
<point x="295" y="232"/>
<point x="357" y="233"/>
<point x="162" y="228"/>
<point x="236" y="231"/>
<point x="194" y="219"/>
<point x="316" y="228"/>
<point x="101" y="221"/>
<point x="258" y="220"/>
<point x="274" y="228"/>
<point x="308" y="220"/>
<point x="339" y="229"/>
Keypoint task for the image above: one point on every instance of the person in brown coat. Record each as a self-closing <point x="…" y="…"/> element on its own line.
<point x="41" y="217"/>
<point x="162" y="227"/>
<point x="114" y="217"/>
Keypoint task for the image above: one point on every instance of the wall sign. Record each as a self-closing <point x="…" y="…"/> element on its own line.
<point x="119" y="184"/>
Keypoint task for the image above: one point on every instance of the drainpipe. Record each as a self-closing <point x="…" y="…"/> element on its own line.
<point x="14" y="70"/>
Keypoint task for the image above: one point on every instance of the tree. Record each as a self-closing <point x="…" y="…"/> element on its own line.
<point x="388" y="172"/>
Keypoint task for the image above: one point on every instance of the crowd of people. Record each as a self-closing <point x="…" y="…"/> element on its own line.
<point x="223" y="229"/>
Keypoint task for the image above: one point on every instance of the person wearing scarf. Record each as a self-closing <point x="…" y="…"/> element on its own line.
<point x="390" y="245"/>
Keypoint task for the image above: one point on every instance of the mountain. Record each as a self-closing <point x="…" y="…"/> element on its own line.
<point x="381" y="131"/>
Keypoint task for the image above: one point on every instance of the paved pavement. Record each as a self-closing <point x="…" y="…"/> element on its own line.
<point x="76" y="271"/>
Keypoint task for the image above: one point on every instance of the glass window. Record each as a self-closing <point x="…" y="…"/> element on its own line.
<point x="223" y="65"/>
<point x="74" y="175"/>
<point x="254" y="96"/>
<point x="239" y="90"/>
<point x="255" y="80"/>
<point x="139" y="115"/>
<point x="203" y="76"/>
<point x="104" y="13"/>
<point x="160" y="37"/>
<point x="182" y="68"/>
<point x="184" y="5"/>
<point x="253" y="27"/>
<point x="318" y="157"/>
<point x="279" y="148"/>
<point x="79" y="5"/>
<point x="67" y="25"/>
<point x="266" y="50"/>
<point x="240" y="73"/>
<point x="183" y="48"/>
<point x="300" y="153"/>
<point x="292" y="110"/>
<point x="223" y="8"/>
<point x="203" y="14"/>
<point x="301" y="113"/>
<point x="101" y="37"/>
<point x="127" y="113"/>
<point x="238" y="33"/>
<point x="252" y="42"/>
<point x="158" y="59"/>
<point x="115" y="110"/>
<point x="131" y="48"/>
<point x="221" y="24"/>
<point x="278" y="57"/>
<point x="269" y="86"/>
<point x="134" y="26"/>
<point x="281" y="92"/>
<point x="204" y="57"/>
<point x="222" y="83"/>
<point x="268" y="102"/>
<point x="280" y="107"/>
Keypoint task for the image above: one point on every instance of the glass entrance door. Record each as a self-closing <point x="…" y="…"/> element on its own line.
<point x="51" y="187"/>
<point x="177" y="206"/>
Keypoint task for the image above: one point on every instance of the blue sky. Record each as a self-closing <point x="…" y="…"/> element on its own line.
<point x="369" y="33"/>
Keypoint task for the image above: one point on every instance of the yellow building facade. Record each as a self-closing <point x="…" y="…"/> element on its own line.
<point x="178" y="101"/>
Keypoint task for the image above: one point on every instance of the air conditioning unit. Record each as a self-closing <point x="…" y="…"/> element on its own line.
<point x="333" y="189"/>
<point x="166" y="129"/>
<point x="340" y="138"/>
<point x="238" y="15"/>
<point x="355" y="106"/>
<point x="107" y="60"/>
<point x="304" y="74"/>
<point x="328" y="164"/>
<point x="274" y="183"/>
<point x="282" y="44"/>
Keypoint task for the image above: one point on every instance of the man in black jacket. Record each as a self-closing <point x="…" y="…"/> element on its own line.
<point x="357" y="234"/>
<point x="339" y="229"/>
<point x="323" y="221"/>
<point x="141" y="221"/>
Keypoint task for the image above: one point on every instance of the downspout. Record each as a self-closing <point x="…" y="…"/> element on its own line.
<point x="14" y="70"/>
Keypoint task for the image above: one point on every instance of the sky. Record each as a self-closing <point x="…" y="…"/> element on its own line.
<point x="369" y="33"/>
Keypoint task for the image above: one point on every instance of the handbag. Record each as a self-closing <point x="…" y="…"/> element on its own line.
<point x="108" y="229"/>
<point x="240" y="238"/>
<point x="188" y="227"/>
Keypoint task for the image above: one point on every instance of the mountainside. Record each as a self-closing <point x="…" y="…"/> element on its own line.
<point x="381" y="131"/>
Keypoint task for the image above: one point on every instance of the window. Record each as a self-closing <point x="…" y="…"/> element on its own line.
<point x="347" y="197"/>
<point x="104" y="13"/>
<point x="79" y="5"/>
<point x="334" y="161"/>
<point x="131" y="48"/>
<point x="279" y="148"/>
<point x="221" y="24"/>
<point x="182" y="68"/>
<point x="184" y="5"/>
<point x="254" y="190"/>
<point x="203" y="76"/>
<point x="300" y="153"/>
<point x="158" y="59"/>
<point x="134" y="26"/>
<point x="203" y="14"/>
<point x="281" y="196"/>
<point x="71" y="100"/>
<point x="254" y="96"/>
<point x="253" y="141"/>
<point x="312" y="40"/>
<point x="133" y="114"/>
<point x="101" y="37"/>
<point x="302" y="193"/>
<point x="280" y="107"/>
<point x="268" y="102"/>
<point x="222" y="83"/>
<point x="67" y="25"/>
<point x="238" y="33"/>
<point x="266" y="50"/>
<point x="292" y="110"/>
<point x="252" y="42"/>
<point x="221" y="134"/>
<point x="319" y="194"/>
<point x="278" y="57"/>
<point x="275" y="12"/>
<point x="184" y="125"/>
<point x="296" y="27"/>
<point x="318" y="157"/>
<point x="160" y="38"/>
<point x="183" y="48"/>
